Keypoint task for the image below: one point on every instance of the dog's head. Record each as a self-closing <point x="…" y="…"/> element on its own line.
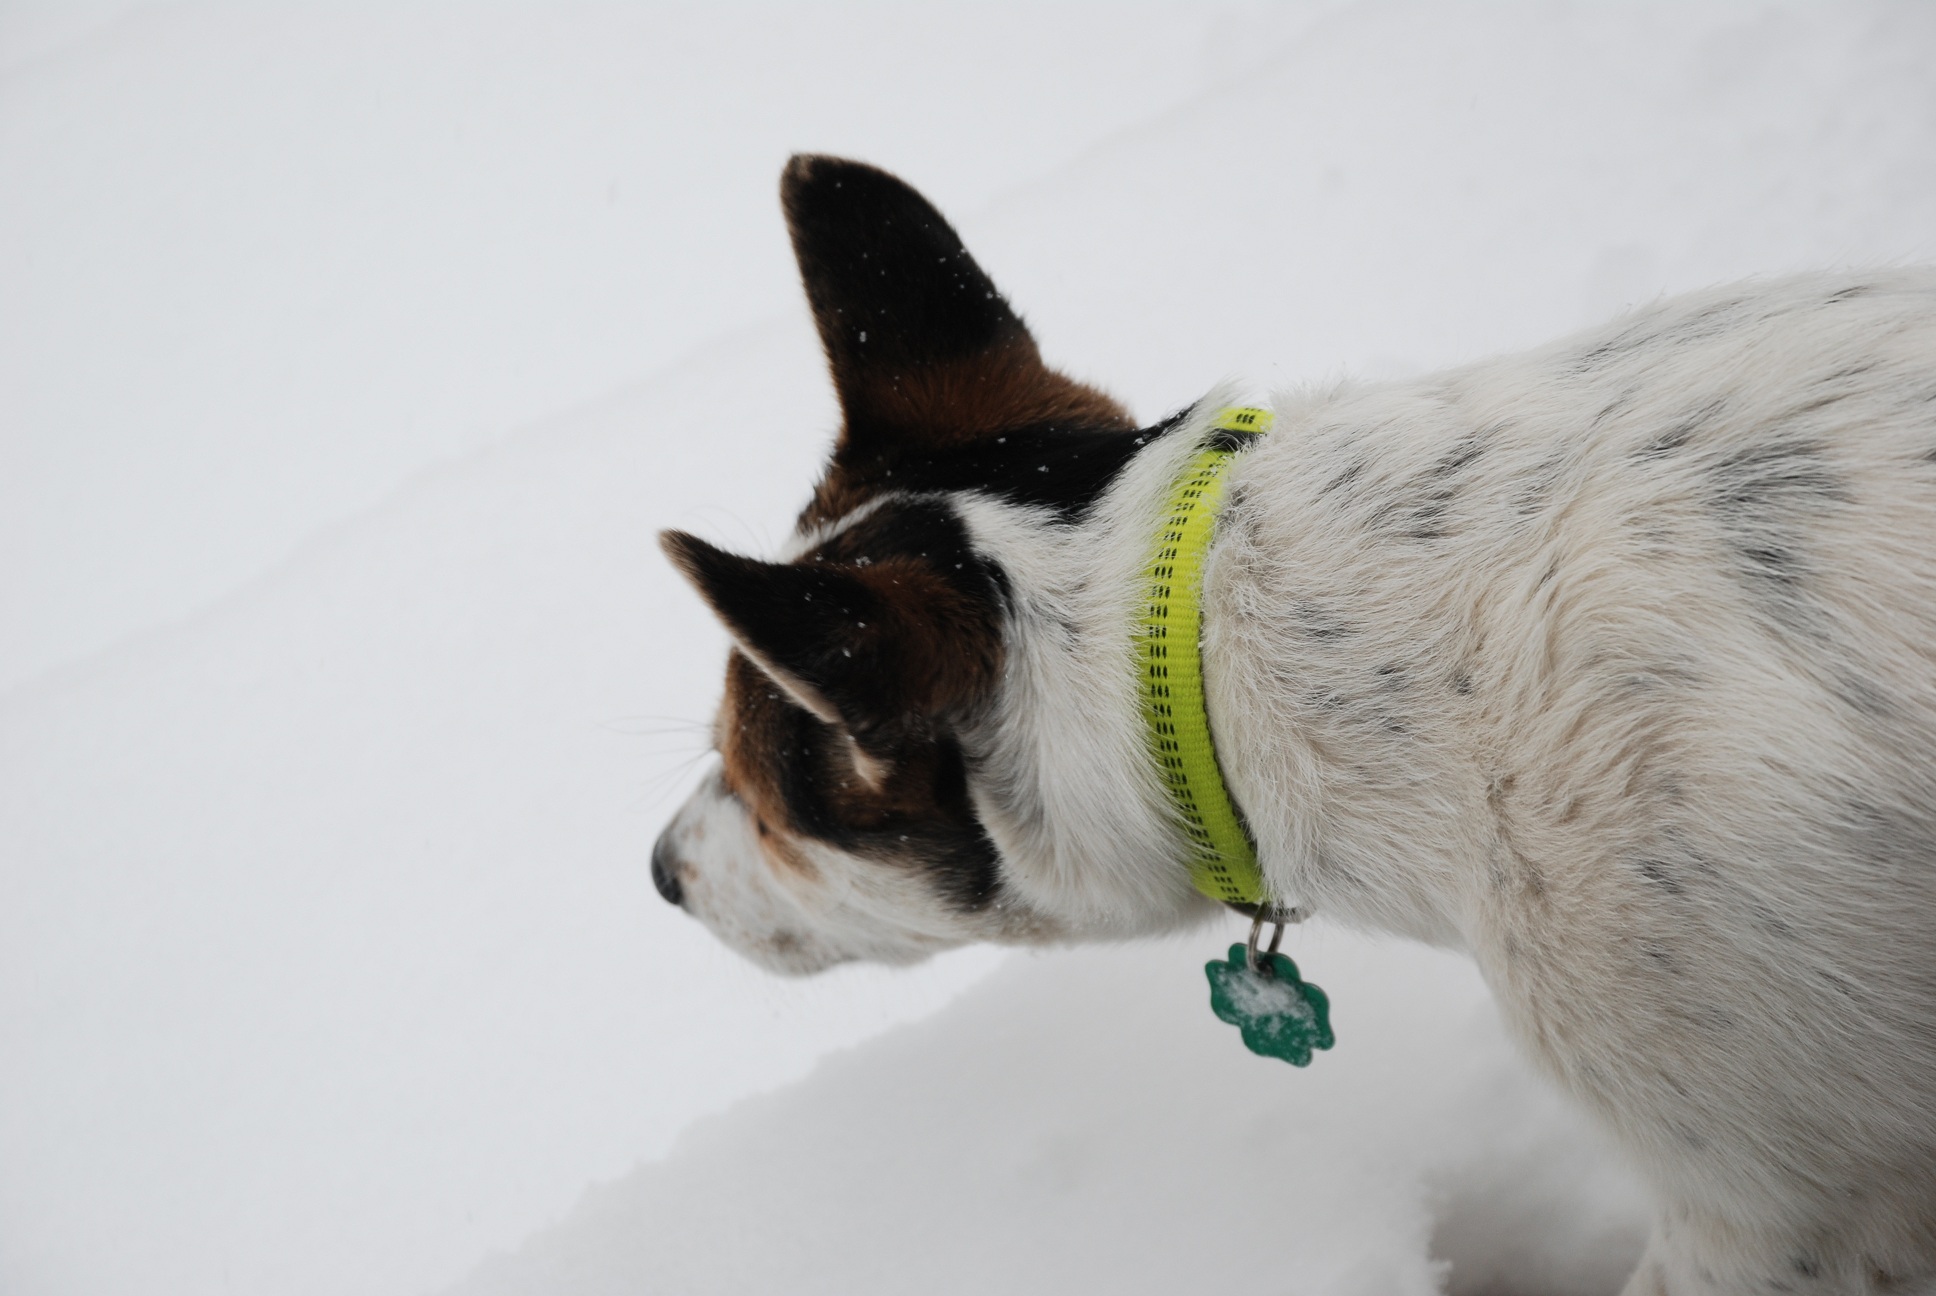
<point x="841" y="822"/>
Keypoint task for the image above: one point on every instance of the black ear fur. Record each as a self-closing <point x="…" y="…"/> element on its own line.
<point x="926" y="356"/>
<point x="892" y="287"/>
<point x="882" y="650"/>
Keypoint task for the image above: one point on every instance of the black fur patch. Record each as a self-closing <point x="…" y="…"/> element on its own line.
<point x="1423" y="510"/>
<point x="1316" y="622"/>
<point x="1657" y="954"/>
<point x="1614" y="406"/>
<point x="1061" y="469"/>
<point x="925" y="355"/>
<point x="1710" y="322"/>
<point x="930" y="827"/>
<point x="1540" y="484"/>
<point x="927" y="529"/>
<point x="895" y="623"/>
<point x="1345" y="477"/>
<point x="1860" y="694"/>
<point x="888" y="278"/>
<point x="1661" y="874"/>
<point x="1677" y="434"/>
<point x="1766" y="498"/>
<point x="1888" y="841"/>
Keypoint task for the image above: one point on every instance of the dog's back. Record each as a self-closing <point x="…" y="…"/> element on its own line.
<point x="1619" y="661"/>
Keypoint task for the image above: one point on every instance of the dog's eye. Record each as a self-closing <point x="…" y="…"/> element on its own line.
<point x="759" y="826"/>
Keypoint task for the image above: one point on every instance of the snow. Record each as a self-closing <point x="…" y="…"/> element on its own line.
<point x="351" y="359"/>
<point x="1081" y="1122"/>
<point x="1256" y="996"/>
<point x="275" y="259"/>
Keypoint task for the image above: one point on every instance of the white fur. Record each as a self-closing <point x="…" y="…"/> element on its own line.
<point x="1613" y="664"/>
<point x="792" y="921"/>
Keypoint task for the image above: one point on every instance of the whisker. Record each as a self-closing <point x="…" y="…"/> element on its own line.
<point x="655" y="788"/>
<point x="639" y="726"/>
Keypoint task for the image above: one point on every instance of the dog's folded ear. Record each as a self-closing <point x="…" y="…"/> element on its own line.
<point x="887" y="650"/>
<point x="922" y="346"/>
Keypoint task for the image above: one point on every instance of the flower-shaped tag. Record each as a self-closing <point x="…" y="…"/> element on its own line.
<point x="1281" y="1015"/>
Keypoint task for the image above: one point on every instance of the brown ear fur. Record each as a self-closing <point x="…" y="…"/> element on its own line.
<point x="924" y="351"/>
<point x="887" y="649"/>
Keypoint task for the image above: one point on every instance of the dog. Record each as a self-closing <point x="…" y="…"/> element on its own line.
<point x="1612" y="664"/>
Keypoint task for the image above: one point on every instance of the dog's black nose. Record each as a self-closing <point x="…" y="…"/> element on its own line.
<point x="662" y="875"/>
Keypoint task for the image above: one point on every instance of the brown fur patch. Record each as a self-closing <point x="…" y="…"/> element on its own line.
<point x="797" y="778"/>
<point x="923" y="349"/>
<point x="940" y="406"/>
<point x="749" y="734"/>
<point x="891" y="628"/>
<point x="945" y="646"/>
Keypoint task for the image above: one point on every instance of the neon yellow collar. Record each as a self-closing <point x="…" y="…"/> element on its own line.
<point x="1222" y="860"/>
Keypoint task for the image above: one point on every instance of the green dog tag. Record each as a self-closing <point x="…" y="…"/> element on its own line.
<point x="1281" y="1015"/>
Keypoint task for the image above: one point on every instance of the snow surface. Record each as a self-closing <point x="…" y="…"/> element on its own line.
<point x="265" y="261"/>
<point x="351" y="358"/>
<point x="1080" y="1122"/>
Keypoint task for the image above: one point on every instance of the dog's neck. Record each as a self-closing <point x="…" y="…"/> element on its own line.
<point x="1064" y="781"/>
<point x="1063" y="778"/>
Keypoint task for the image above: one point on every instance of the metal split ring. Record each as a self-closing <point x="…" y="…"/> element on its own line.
<point x="1279" y="919"/>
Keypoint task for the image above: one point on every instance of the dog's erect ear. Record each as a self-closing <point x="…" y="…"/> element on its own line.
<point x="885" y="649"/>
<point x="922" y="347"/>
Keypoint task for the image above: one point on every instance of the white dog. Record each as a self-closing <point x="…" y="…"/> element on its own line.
<point x="1613" y="664"/>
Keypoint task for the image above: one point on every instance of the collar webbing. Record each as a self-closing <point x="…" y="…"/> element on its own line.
<point x="1222" y="860"/>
